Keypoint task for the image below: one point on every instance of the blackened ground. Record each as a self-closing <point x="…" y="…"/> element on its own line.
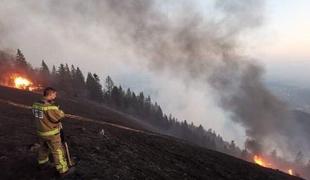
<point x="118" y="154"/>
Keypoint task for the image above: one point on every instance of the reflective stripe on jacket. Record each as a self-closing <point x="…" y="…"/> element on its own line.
<point x="43" y="107"/>
<point x="47" y="118"/>
<point x="49" y="133"/>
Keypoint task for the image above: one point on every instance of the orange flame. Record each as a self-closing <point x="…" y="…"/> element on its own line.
<point x="22" y="83"/>
<point x="260" y="161"/>
<point x="290" y="172"/>
<point x="19" y="82"/>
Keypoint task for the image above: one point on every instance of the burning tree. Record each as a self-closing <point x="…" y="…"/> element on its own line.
<point x="16" y="72"/>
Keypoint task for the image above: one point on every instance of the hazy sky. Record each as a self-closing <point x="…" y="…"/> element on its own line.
<point x="284" y="42"/>
<point x="289" y="25"/>
<point x="281" y="44"/>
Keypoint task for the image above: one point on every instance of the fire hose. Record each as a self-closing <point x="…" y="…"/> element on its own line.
<point x="79" y="118"/>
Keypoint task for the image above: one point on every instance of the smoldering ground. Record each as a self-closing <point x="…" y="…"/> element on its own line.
<point x="176" y="40"/>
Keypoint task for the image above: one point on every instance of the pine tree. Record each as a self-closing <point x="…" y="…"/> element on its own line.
<point x="122" y="97"/>
<point x="53" y="77"/>
<point x="158" y="115"/>
<point x="147" y="106"/>
<point x="141" y="102"/>
<point x="116" y="97"/>
<point x="127" y="100"/>
<point x="54" y="72"/>
<point x="79" y="82"/>
<point x="98" y="86"/>
<point x="64" y="80"/>
<point x="61" y="82"/>
<point x="94" y="87"/>
<point x="44" y="68"/>
<point x="44" y="74"/>
<point x="141" y="99"/>
<point x="73" y="71"/>
<point x="133" y="103"/>
<point x="21" y="64"/>
<point x="67" y="73"/>
<point x="79" y="76"/>
<point x="21" y="60"/>
<point x="109" y="84"/>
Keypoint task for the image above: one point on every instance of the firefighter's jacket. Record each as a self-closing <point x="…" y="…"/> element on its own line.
<point x="47" y="118"/>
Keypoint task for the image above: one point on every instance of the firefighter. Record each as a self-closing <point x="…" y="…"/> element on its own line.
<point x="48" y="123"/>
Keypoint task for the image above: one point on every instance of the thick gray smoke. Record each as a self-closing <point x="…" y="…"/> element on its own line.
<point x="177" y="38"/>
<point x="196" y="48"/>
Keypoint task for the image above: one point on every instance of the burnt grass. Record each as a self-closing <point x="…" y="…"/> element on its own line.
<point x="118" y="154"/>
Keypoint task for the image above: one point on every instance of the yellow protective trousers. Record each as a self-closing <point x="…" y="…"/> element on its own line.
<point x="52" y="144"/>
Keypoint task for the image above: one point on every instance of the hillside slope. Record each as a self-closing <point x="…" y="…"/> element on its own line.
<point x="118" y="154"/>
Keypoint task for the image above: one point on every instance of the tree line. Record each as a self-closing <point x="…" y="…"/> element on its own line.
<point x="71" y="82"/>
